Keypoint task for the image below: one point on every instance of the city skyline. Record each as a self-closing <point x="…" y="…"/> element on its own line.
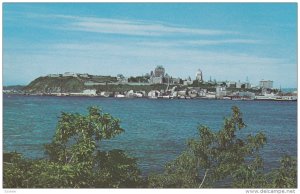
<point x="227" y="41"/>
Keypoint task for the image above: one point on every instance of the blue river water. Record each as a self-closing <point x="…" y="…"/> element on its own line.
<point x="156" y="131"/>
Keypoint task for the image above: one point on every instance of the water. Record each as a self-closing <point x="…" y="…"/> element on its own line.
<point x="156" y="131"/>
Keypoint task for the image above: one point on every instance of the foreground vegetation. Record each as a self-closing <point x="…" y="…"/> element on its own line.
<point x="74" y="159"/>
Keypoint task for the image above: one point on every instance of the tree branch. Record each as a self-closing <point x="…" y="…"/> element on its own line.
<point x="70" y="160"/>
<point x="203" y="178"/>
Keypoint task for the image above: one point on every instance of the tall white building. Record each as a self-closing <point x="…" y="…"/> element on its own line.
<point x="199" y="76"/>
<point x="267" y="84"/>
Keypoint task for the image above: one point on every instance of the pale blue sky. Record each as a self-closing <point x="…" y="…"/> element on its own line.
<point x="226" y="41"/>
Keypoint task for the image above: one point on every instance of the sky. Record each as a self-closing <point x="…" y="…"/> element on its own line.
<point x="227" y="41"/>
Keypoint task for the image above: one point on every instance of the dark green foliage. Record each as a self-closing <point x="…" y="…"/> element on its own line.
<point x="219" y="156"/>
<point x="13" y="170"/>
<point x="286" y="175"/>
<point x="126" y="87"/>
<point x="117" y="170"/>
<point x="180" y="173"/>
<point x="250" y="175"/>
<point x="11" y="157"/>
<point x="14" y="87"/>
<point x="74" y="159"/>
<point x="101" y="79"/>
<point x="138" y="79"/>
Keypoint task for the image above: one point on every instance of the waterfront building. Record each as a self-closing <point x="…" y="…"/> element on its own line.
<point x="132" y="94"/>
<point x="193" y="93"/>
<point x="202" y="92"/>
<point x="90" y="92"/>
<point x="210" y="95"/>
<point x="106" y="94"/>
<point x="174" y="94"/>
<point x="182" y="93"/>
<point x="199" y="76"/>
<point x="129" y="94"/>
<point x="138" y="95"/>
<point x="267" y="84"/>
<point x="154" y="94"/>
<point x="141" y="92"/>
<point x="220" y="91"/>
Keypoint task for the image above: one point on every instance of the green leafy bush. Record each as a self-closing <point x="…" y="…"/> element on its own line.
<point x="74" y="158"/>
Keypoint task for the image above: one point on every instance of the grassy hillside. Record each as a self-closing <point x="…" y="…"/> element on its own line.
<point x="123" y="88"/>
<point x="55" y="84"/>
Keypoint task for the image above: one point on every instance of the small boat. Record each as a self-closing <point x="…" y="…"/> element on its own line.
<point x="226" y="98"/>
<point x="120" y="96"/>
<point x="106" y="95"/>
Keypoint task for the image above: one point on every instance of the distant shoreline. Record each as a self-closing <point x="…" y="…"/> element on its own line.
<point x="158" y="98"/>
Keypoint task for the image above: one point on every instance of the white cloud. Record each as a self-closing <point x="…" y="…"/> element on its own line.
<point x="223" y="41"/>
<point x="135" y="28"/>
<point x="124" y="27"/>
<point x="198" y="42"/>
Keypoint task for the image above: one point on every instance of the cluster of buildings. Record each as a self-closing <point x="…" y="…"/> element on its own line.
<point x="159" y="76"/>
<point x="219" y="90"/>
<point x="187" y="93"/>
